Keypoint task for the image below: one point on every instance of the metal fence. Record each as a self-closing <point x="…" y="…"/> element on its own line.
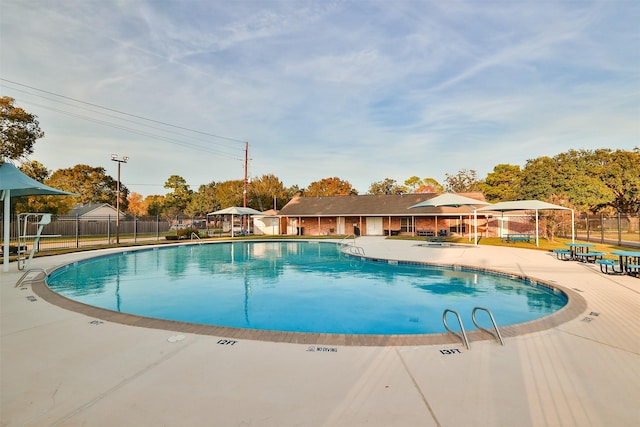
<point x="621" y="229"/>
<point x="76" y="232"/>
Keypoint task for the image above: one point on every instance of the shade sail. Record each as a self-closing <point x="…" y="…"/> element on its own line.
<point x="14" y="183"/>
<point x="455" y="200"/>
<point x="449" y="199"/>
<point x="235" y="210"/>
<point x="530" y="205"/>
<point x="522" y="205"/>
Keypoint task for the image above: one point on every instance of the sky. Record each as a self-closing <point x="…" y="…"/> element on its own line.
<point x="360" y="90"/>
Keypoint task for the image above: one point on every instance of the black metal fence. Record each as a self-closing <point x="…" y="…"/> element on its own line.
<point x="76" y="232"/>
<point x="621" y="229"/>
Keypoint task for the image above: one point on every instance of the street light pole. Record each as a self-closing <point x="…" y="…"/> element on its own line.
<point x="124" y="159"/>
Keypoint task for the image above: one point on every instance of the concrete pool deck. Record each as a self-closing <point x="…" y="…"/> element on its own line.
<point x="60" y="367"/>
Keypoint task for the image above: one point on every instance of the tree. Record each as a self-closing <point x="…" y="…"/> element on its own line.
<point x="555" y="220"/>
<point x="330" y="187"/>
<point x="19" y="131"/>
<point x="536" y="180"/>
<point x="463" y="182"/>
<point x="621" y="174"/>
<point x="423" y="185"/>
<point x="154" y="204"/>
<point x="92" y="185"/>
<point x="429" y="185"/>
<point x="136" y="205"/>
<point x="267" y="192"/>
<point x="53" y="204"/>
<point x="229" y="193"/>
<point x="203" y="201"/>
<point x="386" y="186"/>
<point x="502" y="184"/>
<point x="176" y="201"/>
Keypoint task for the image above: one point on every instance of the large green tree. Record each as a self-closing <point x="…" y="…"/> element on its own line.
<point x="330" y="187"/>
<point x="267" y="192"/>
<point x="203" y="201"/>
<point x="502" y="184"/>
<point x="229" y="193"/>
<point x="620" y="173"/>
<point x="91" y="184"/>
<point x="176" y="201"/>
<point x="58" y="205"/>
<point x="19" y="131"/>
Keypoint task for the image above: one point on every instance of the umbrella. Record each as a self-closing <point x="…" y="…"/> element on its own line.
<point x="530" y="205"/>
<point x="235" y="210"/>
<point x="14" y="183"/>
<point x="454" y="200"/>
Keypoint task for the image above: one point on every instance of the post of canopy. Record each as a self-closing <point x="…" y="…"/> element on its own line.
<point x="6" y="224"/>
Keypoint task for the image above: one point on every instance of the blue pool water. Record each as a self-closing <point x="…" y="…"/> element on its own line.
<point x="295" y="286"/>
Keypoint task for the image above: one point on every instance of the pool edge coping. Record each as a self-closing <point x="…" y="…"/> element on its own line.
<point x="576" y="305"/>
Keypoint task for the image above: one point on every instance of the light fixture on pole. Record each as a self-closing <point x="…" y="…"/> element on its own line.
<point x="124" y="159"/>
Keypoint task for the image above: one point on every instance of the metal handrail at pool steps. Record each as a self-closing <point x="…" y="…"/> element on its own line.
<point x="463" y="333"/>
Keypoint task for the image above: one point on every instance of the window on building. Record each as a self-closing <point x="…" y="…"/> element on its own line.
<point x="406" y="224"/>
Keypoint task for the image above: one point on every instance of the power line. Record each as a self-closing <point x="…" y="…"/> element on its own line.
<point x="138" y="132"/>
<point x="110" y="116"/>
<point x="121" y="112"/>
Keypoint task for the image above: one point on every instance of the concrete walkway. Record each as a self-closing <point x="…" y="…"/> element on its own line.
<point x="64" y="368"/>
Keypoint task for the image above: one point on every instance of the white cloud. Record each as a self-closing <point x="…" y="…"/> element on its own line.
<point x="362" y="90"/>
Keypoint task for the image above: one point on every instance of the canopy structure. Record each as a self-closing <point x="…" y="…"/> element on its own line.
<point x="235" y="210"/>
<point x="14" y="183"/>
<point x="531" y="205"/>
<point x="456" y="201"/>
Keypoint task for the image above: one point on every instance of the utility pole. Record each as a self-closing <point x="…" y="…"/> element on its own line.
<point x="246" y="174"/>
<point x="124" y="159"/>
<point x="246" y="183"/>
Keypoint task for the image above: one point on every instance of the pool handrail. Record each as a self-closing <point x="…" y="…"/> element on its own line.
<point x="463" y="335"/>
<point x="497" y="335"/>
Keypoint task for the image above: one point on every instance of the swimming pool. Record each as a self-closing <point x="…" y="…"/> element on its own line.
<point x="296" y="287"/>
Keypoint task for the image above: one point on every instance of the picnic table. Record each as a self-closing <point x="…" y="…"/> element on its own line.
<point x="578" y="248"/>
<point x="629" y="262"/>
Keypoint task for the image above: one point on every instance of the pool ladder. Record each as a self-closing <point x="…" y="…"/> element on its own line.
<point x="351" y="249"/>
<point x="463" y="335"/>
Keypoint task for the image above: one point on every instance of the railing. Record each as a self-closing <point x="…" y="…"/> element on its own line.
<point x="463" y="334"/>
<point x="351" y="249"/>
<point x="497" y="335"/>
<point x="344" y="239"/>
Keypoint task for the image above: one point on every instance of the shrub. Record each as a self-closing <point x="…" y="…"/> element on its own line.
<point x="186" y="232"/>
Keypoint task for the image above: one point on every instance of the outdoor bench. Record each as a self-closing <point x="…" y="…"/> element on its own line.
<point x="589" y="256"/>
<point x="391" y="232"/>
<point x="563" y="254"/>
<point x="518" y="238"/>
<point x="426" y="233"/>
<point x="605" y="264"/>
<point x="633" y="269"/>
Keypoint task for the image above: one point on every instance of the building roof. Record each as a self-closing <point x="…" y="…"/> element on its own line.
<point x="80" y="210"/>
<point x="371" y="205"/>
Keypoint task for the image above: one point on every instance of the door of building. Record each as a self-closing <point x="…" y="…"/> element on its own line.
<point x="374" y="226"/>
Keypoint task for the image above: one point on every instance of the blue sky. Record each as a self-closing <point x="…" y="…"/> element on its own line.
<point x="361" y="90"/>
